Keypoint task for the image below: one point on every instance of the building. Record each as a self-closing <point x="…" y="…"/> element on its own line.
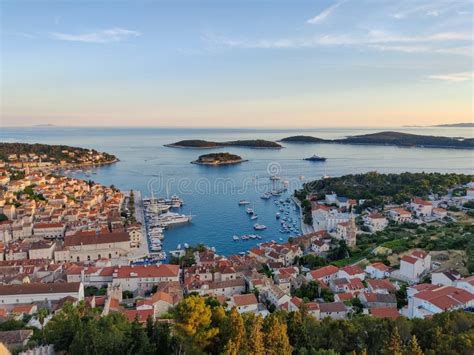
<point x="245" y="303"/>
<point x="144" y="277"/>
<point x="426" y="301"/>
<point x="49" y="230"/>
<point x="90" y="247"/>
<point x="399" y="215"/>
<point x="334" y="310"/>
<point x="376" y="222"/>
<point x="414" y="266"/>
<point x="43" y="249"/>
<point x="40" y="292"/>
<point x="347" y="231"/>
<point x="466" y="284"/>
<point x="422" y="208"/>
<point x="378" y="300"/>
<point x="324" y="274"/>
<point x="377" y="270"/>
<point x="445" y="277"/>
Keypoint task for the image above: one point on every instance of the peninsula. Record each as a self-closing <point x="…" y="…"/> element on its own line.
<point x="218" y="159"/>
<point x="202" y="144"/>
<point x="43" y="155"/>
<point x="391" y="138"/>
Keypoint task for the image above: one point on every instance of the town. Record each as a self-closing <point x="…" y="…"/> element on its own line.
<point x="67" y="241"/>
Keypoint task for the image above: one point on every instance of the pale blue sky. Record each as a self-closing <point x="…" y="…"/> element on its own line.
<point x="236" y="63"/>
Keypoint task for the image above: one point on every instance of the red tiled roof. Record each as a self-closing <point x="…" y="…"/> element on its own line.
<point x="352" y="270"/>
<point x="35" y="288"/>
<point x="324" y="271"/>
<point x="164" y="270"/>
<point x="245" y="300"/>
<point x="141" y="315"/>
<point x="380" y="266"/>
<point x="80" y="238"/>
<point x="409" y="259"/>
<point x="446" y="297"/>
<point x="381" y="285"/>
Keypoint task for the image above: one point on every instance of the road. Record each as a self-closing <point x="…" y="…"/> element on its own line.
<point x="143" y="250"/>
<point x="305" y="229"/>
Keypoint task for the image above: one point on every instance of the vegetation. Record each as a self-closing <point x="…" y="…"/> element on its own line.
<point x="202" y="327"/>
<point x="384" y="188"/>
<point x="196" y="143"/>
<point x="51" y="153"/>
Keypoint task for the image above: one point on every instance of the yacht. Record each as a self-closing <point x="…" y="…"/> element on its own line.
<point x="254" y="217"/>
<point x="249" y="210"/>
<point x="315" y="158"/>
<point x="277" y="216"/>
<point x="244" y="202"/>
<point x="170" y="219"/>
<point x="236" y="238"/>
<point x="259" y="227"/>
<point x="176" y="202"/>
<point x="266" y="196"/>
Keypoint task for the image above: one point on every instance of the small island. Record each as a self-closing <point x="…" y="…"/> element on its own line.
<point x="218" y="159"/>
<point x="302" y="139"/>
<point x="202" y="144"/>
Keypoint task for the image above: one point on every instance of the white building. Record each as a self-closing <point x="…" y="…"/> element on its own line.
<point x="49" y="230"/>
<point x="376" y="222"/>
<point x="445" y="278"/>
<point x="427" y="301"/>
<point x="135" y="277"/>
<point x="39" y="292"/>
<point x="377" y="270"/>
<point x="245" y="303"/>
<point x="415" y="265"/>
<point x="422" y="208"/>
<point x="399" y="215"/>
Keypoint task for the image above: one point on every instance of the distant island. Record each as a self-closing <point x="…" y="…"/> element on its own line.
<point x="461" y="125"/>
<point x="302" y="139"/>
<point x="218" y="159"/>
<point x="202" y="144"/>
<point x="52" y="155"/>
<point x="391" y="138"/>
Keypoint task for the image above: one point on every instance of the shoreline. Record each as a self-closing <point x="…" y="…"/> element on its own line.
<point x="218" y="146"/>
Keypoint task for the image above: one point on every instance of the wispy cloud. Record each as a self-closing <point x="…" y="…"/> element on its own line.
<point x="453" y="77"/>
<point x="378" y="40"/>
<point x="321" y="17"/>
<point x="104" y="36"/>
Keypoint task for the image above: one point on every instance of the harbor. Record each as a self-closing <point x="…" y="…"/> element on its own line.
<point x="158" y="217"/>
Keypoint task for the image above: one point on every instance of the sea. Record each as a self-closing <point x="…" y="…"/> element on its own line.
<point x="211" y="194"/>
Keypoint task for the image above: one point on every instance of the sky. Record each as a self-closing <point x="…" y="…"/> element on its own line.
<point x="247" y="63"/>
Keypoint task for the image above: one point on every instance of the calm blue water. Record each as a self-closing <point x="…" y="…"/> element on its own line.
<point x="211" y="194"/>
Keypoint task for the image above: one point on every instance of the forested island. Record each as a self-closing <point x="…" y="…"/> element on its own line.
<point x="391" y="138"/>
<point x="253" y="143"/>
<point x="461" y="125"/>
<point x="53" y="154"/>
<point x="218" y="159"/>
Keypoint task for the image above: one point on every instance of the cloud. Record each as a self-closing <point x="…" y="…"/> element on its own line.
<point x="453" y="77"/>
<point x="104" y="36"/>
<point x="316" y="20"/>
<point x="378" y="40"/>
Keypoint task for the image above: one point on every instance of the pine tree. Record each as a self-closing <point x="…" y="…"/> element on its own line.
<point x="276" y="337"/>
<point x="394" y="346"/>
<point x="413" y="347"/>
<point x="237" y="331"/>
<point x="255" y="343"/>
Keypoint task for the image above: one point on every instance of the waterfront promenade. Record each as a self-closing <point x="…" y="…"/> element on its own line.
<point x="143" y="249"/>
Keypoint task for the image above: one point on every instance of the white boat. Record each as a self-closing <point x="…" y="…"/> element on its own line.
<point x="179" y="247"/>
<point x="176" y="202"/>
<point x="254" y="217"/>
<point x="186" y="245"/>
<point x="170" y="219"/>
<point x="249" y="210"/>
<point x="235" y="237"/>
<point x="266" y="196"/>
<point x="244" y="202"/>
<point x="259" y="227"/>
